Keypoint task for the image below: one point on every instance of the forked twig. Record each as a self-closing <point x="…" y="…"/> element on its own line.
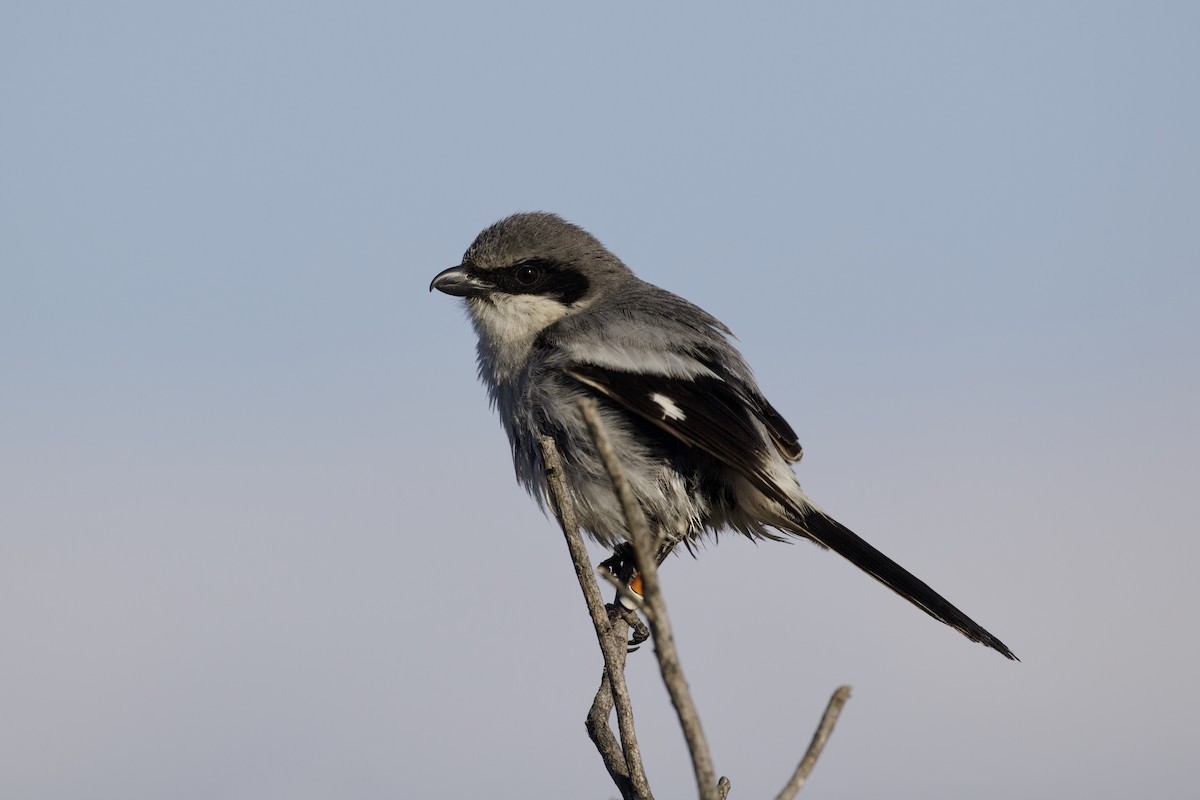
<point x="623" y="760"/>
<point x="656" y="609"/>
<point x="628" y="773"/>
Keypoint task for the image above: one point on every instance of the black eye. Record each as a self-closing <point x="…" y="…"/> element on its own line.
<point x="527" y="275"/>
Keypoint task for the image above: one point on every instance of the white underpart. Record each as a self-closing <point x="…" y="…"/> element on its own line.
<point x="670" y="410"/>
<point x="507" y="324"/>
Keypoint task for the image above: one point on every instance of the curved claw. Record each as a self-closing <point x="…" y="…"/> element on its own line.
<point x="640" y="632"/>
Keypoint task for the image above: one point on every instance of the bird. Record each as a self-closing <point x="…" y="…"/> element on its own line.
<point x="558" y="317"/>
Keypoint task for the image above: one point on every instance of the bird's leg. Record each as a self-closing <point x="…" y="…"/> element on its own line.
<point x="621" y="563"/>
<point x="624" y="568"/>
<point x="640" y="632"/>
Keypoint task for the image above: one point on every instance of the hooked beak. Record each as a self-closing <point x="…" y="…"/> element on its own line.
<point x="458" y="282"/>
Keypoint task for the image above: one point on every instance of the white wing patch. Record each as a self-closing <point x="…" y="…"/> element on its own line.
<point x="669" y="409"/>
<point x="622" y="357"/>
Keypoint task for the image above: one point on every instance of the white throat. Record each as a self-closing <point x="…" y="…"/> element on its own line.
<point x="507" y="325"/>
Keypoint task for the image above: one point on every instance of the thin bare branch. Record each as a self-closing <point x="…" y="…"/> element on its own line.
<point x="664" y="641"/>
<point x="623" y="760"/>
<point x="828" y="720"/>
<point x="611" y="638"/>
<point x="606" y="743"/>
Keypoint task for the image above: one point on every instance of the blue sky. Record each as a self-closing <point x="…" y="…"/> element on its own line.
<point x="258" y="528"/>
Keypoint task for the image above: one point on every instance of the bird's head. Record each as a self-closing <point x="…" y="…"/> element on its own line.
<point x="523" y="274"/>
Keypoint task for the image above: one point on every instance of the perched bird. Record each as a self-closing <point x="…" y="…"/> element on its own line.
<point x="559" y="317"/>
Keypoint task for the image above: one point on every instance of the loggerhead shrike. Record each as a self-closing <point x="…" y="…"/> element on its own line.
<point x="559" y="317"/>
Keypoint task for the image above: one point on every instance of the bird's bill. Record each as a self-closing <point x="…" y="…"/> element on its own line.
<point x="458" y="282"/>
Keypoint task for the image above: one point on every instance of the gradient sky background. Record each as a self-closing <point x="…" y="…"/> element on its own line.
<point x="259" y="535"/>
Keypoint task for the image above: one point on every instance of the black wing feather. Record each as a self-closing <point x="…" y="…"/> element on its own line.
<point x="713" y="415"/>
<point x="785" y="438"/>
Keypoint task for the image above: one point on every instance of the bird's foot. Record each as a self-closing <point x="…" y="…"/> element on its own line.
<point x="623" y="567"/>
<point x="617" y="611"/>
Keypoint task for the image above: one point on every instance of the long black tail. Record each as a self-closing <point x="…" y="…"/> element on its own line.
<point x="837" y="537"/>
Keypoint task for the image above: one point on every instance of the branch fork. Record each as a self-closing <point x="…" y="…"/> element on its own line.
<point x="622" y="759"/>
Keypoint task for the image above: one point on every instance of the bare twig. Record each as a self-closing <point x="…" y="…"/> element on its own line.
<point x="656" y="610"/>
<point x="629" y="777"/>
<point x="606" y="743"/>
<point x="623" y="760"/>
<point x="828" y="720"/>
<point x="602" y="736"/>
